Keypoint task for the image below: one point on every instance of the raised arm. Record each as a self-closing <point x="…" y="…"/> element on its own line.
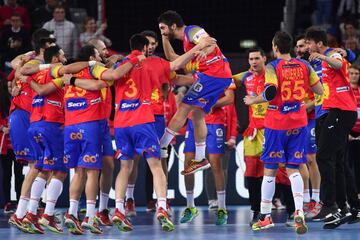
<point x="119" y="72"/>
<point x="87" y="84"/>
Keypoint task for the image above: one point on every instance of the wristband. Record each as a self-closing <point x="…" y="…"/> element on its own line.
<point x="134" y="61"/>
<point x="92" y="63"/>
<point x="44" y="66"/>
<point x="72" y="81"/>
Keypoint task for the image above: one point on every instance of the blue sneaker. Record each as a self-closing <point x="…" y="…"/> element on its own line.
<point x="189" y="214"/>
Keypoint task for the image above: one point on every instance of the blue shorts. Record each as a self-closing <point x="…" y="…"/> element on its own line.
<point x="310" y="143"/>
<point x="83" y="145"/>
<point x="139" y="139"/>
<point x="107" y="148"/>
<point x="206" y="91"/>
<point x="19" y="122"/>
<point x="47" y="139"/>
<point x="159" y="125"/>
<point x="284" y="146"/>
<point x="215" y="139"/>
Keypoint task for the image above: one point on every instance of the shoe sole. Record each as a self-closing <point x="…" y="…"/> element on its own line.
<point x="92" y="229"/>
<point x="52" y="229"/>
<point x="102" y="223"/>
<point x="336" y="224"/>
<point x="263" y="228"/>
<point x="31" y="229"/>
<point x="194" y="216"/>
<point x="72" y="228"/>
<point x="121" y="226"/>
<point x="166" y="225"/>
<point x="196" y="170"/>
<point x="302" y="229"/>
<point x="20" y="227"/>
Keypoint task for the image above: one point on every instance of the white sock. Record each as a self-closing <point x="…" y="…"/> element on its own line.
<point x="200" y="151"/>
<point x="297" y="187"/>
<point x="221" y="199"/>
<point x="53" y="192"/>
<point x="22" y="207"/>
<point x="306" y="195"/>
<point x="74" y="206"/>
<point x="190" y="199"/>
<point x="103" y="202"/>
<point x="167" y="138"/>
<point x="119" y="204"/>
<point x="37" y="188"/>
<point x="316" y="195"/>
<point x="90" y="209"/>
<point x="267" y="193"/>
<point x="130" y="191"/>
<point x="161" y="203"/>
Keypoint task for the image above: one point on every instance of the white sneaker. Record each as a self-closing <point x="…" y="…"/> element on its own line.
<point x="213" y="205"/>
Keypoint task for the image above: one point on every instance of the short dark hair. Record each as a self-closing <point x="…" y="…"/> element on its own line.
<point x="150" y="33"/>
<point x="138" y="41"/>
<point x="283" y="41"/>
<point x="316" y="34"/>
<point x="86" y="52"/>
<point x="299" y="37"/>
<point x="170" y="17"/>
<point x="59" y="6"/>
<point x="256" y="49"/>
<point x="50" y="52"/>
<point x="40" y="37"/>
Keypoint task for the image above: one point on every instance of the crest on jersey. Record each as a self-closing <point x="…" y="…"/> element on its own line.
<point x="219" y="132"/>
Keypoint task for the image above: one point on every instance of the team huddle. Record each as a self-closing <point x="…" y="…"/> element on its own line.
<point x="59" y="121"/>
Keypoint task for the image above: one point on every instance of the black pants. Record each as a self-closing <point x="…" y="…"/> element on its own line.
<point x="254" y="187"/>
<point x="6" y="164"/>
<point x="333" y="132"/>
<point x="353" y="155"/>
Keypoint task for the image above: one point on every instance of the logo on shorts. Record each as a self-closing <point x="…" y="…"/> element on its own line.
<point x="129" y="105"/>
<point x="219" y="132"/>
<point x="118" y="154"/>
<point x="275" y="154"/>
<point x="295" y="131"/>
<point x="198" y="87"/>
<point x="76" y="136"/>
<point x="298" y="154"/>
<point x="66" y="158"/>
<point x="49" y="162"/>
<point x="38" y="101"/>
<point x="76" y="104"/>
<point x="89" y="159"/>
<point x="312" y="132"/>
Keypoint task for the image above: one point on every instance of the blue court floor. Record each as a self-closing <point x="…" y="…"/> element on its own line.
<point x="146" y="227"/>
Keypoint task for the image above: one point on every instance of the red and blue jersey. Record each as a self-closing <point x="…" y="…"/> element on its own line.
<point x="338" y="93"/>
<point x="48" y="108"/>
<point x="215" y="64"/>
<point x="161" y="69"/>
<point x="83" y="105"/>
<point x="133" y="95"/>
<point x="24" y="99"/>
<point x="254" y="85"/>
<point x="290" y="77"/>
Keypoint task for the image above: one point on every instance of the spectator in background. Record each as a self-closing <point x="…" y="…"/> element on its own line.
<point x="333" y="37"/>
<point x="7" y="156"/>
<point x="354" y="136"/>
<point x="323" y="10"/>
<point x="91" y="31"/>
<point x="64" y="31"/>
<point x="352" y="43"/>
<point x="349" y="29"/>
<point x="10" y="7"/>
<point x="43" y="13"/>
<point x="14" y="41"/>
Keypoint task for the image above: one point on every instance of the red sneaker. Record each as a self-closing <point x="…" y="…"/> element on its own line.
<point x="31" y="223"/>
<point x="195" y="166"/>
<point x="300" y="225"/>
<point x="263" y="224"/>
<point x="91" y="224"/>
<point x="121" y="222"/>
<point x="8" y="209"/>
<point x="17" y="222"/>
<point x="73" y="224"/>
<point x="50" y="223"/>
<point x="308" y="207"/>
<point x="168" y="207"/>
<point x="164" y="219"/>
<point x="103" y="217"/>
<point x="130" y="207"/>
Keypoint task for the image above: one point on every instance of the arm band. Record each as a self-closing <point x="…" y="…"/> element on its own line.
<point x="72" y="81"/>
<point x="269" y="93"/>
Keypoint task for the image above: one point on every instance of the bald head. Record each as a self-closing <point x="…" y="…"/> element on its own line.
<point x="100" y="46"/>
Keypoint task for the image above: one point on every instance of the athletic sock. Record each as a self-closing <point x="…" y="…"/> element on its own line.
<point x="37" y="188"/>
<point x="103" y="202"/>
<point x="200" y="151"/>
<point x="53" y="192"/>
<point x="297" y="187"/>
